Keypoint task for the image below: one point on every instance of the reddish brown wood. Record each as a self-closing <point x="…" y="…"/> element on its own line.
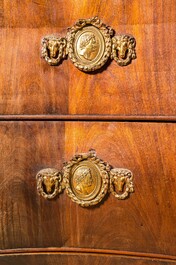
<point x="26" y="220"/>
<point x="29" y="86"/>
<point x="149" y="215"/>
<point x="76" y="251"/>
<point x="49" y="113"/>
<point x="65" y="259"/>
<point x="86" y="117"/>
<point x="143" y="223"/>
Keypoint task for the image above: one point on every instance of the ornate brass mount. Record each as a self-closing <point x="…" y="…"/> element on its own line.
<point x="49" y="182"/>
<point x="87" y="179"/>
<point x="89" y="44"/>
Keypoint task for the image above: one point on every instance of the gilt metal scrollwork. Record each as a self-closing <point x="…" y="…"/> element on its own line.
<point x="87" y="179"/>
<point x="89" y="43"/>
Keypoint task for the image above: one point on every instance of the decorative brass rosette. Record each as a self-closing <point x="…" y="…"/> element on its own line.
<point x="87" y="179"/>
<point x="89" y="43"/>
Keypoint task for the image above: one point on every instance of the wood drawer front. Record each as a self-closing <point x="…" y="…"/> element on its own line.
<point x="30" y="86"/>
<point x="78" y="259"/>
<point x="145" y="222"/>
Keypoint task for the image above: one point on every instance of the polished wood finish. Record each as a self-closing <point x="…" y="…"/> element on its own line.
<point x="143" y="223"/>
<point x="148" y="151"/>
<point x="116" y="118"/>
<point x="50" y="258"/>
<point x="25" y="149"/>
<point x="127" y="114"/>
<point x="30" y="86"/>
<point x="77" y="259"/>
<point x="71" y="250"/>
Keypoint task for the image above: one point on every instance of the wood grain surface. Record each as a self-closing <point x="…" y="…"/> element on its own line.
<point x="25" y="219"/>
<point x="67" y="259"/>
<point x="35" y="102"/>
<point x="143" y="223"/>
<point x="29" y="86"/>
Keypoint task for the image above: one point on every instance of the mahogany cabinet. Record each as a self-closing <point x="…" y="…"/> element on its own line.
<point x="50" y="113"/>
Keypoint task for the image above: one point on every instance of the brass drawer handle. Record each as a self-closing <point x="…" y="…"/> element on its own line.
<point x="87" y="179"/>
<point x="89" y="44"/>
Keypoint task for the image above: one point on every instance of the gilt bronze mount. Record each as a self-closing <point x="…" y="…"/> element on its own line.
<point x="87" y="179"/>
<point x="89" y="44"/>
<point x="49" y="182"/>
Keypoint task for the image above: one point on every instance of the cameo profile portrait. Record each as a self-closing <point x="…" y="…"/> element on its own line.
<point x="86" y="178"/>
<point x="83" y="181"/>
<point x="88" y="46"/>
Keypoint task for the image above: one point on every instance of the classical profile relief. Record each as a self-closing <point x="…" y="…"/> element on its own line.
<point x="89" y="44"/>
<point x="86" y="179"/>
<point x="83" y="181"/>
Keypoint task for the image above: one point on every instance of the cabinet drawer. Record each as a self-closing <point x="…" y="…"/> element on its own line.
<point x="145" y="87"/>
<point x="145" y="222"/>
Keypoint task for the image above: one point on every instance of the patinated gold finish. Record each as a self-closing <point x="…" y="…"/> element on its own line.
<point x="121" y="182"/>
<point x="85" y="182"/>
<point x="89" y="44"/>
<point x="49" y="182"/>
<point x="87" y="179"/>
<point x="53" y="49"/>
<point x="123" y="49"/>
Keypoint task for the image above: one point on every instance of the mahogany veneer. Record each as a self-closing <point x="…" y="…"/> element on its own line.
<point x="29" y="86"/>
<point x="127" y="114"/>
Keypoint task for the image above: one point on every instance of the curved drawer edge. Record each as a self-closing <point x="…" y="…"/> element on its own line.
<point x="88" y="251"/>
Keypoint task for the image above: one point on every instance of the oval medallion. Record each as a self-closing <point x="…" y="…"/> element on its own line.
<point x="89" y="44"/>
<point x="86" y="179"/>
